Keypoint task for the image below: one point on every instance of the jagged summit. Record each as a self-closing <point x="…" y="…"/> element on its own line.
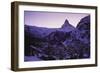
<point x="67" y="26"/>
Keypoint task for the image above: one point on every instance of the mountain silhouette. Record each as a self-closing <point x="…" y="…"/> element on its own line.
<point x="67" y="26"/>
<point x="84" y="23"/>
<point x="84" y="29"/>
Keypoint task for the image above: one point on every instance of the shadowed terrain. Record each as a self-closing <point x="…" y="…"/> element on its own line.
<point x="63" y="43"/>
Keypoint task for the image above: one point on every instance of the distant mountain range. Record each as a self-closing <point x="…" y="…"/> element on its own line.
<point x="66" y="42"/>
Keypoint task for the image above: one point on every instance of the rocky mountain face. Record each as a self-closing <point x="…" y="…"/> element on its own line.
<point x="66" y="42"/>
<point x="67" y="26"/>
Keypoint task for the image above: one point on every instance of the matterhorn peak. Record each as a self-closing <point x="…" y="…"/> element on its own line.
<point x="66" y="24"/>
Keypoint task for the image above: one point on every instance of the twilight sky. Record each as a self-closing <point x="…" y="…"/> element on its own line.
<point x="51" y="19"/>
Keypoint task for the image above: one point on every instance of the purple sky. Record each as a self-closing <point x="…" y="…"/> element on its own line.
<point x="51" y="19"/>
